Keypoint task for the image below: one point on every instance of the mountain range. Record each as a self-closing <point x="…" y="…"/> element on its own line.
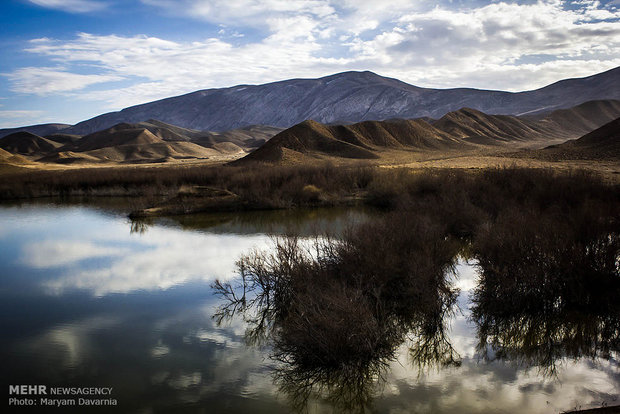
<point x="457" y="132"/>
<point x="346" y="115"/>
<point x="347" y="97"/>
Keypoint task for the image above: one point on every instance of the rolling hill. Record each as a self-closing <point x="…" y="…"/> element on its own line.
<point x="26" y="143"/>
<point x="8" y="158"/>
<point x="348" y="97"/>
<point x="582" y="119"/>
<point x="150" y="141"/>
<point x="462" y="130"/>
<point x="602" y="143"/>
<point x="473" y="126"/>
<point x="126" y="143"/>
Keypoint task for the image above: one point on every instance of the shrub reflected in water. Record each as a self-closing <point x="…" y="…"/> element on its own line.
<point x="549" y="287"/>
<point x="336" y="311"/>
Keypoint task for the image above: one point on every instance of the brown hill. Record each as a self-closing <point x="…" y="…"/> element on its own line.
<point x="151" y="141"/>
<point x="364" y="140"/>
<point x="601" y="144"/>
<point x="313" y="139"/>
<point x="134" y="153"/>
<point x="121" y="134"/>
<point x="26" y="143"/>
<point x="477" y="127"/>
<point x="581" y="119"/>
<point x="63" y="138"/>
<point x="13" y="159"/>
<point x="154" y="152"/>
<point x="248" y="138"/>
<point x="69" y="157"/>
<point x="606" y="136"/>
<point x="127" y="143"/>
<point x="403" y="134"/>
<point x="459" y="130"/>
<point x="168" y="132"/>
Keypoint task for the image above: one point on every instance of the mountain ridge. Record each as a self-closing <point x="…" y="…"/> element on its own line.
<point x="347" y="97"/>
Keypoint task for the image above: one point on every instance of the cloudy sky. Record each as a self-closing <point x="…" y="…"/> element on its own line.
<point x="69" y="60"/>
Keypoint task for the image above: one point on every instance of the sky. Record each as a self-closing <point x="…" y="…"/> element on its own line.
<point x="69" y="60"/>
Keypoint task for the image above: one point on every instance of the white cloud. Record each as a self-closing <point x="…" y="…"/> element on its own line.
<point x="73" y="6"/>
<point x="49" y="80"/>
<point x="501" y="45"/>
<point x="166" y="259"/>
<point x="13" y="118"/>
<point x="19" y="114"/>
<point x="52" y="253"/>
<point x="243" y="12"/>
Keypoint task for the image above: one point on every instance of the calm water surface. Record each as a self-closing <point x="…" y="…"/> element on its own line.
<point x="90" y="299"/>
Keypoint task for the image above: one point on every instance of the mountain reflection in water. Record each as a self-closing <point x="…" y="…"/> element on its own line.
<point x="335" y="312"/>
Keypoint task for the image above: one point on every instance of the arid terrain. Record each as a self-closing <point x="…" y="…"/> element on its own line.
<point x="174" y="169"/>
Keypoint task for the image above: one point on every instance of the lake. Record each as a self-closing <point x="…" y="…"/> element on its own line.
<point x="91" y="299"/>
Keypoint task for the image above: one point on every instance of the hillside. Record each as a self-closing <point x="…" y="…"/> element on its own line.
<point x="127" y="143"/>
<point x="347" y="97"/>
<point x="8" y="158"/>
<point x="581" y="119"/>
<point x="602" y="143"/>
<point x="463" y="131"/>
<point x="121" y="134"/>
<point x="242" y="139"/>
<point x="26" y="143"/>
<point x="477" y="127"/>
<point x="314" y="139"/>
<point x="364" y="140"/>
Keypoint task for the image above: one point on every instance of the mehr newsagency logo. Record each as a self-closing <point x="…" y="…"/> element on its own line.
<point x="42" y="395"/>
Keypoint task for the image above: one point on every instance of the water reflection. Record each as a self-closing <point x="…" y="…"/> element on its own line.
<point x="149" y="334"/>
<point x="549" y="289"/>
<point x="337" y="311"/>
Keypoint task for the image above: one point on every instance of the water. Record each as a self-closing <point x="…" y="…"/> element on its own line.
<point x="90" y="299"/>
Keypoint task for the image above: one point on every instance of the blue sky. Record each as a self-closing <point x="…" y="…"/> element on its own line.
<point x="69" y="60"/>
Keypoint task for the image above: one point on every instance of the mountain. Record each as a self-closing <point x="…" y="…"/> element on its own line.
<point x="347" y="97"/>
<point x="363" y="140"/>
<point x="41" y="129"/>
<point x="463" y="130"/>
